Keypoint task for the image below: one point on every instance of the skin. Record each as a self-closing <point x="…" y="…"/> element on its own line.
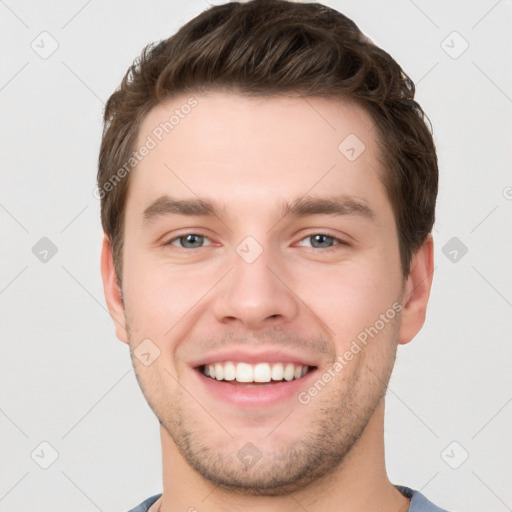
<point x="249" y="156"/>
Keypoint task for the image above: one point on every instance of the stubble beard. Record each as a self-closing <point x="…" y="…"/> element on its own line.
<point x="340" y="419"/>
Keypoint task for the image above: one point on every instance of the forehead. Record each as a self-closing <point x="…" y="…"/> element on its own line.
<point x="243" y="150"/>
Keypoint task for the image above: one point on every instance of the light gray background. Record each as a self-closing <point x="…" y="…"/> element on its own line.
<point x="67" y="381"/>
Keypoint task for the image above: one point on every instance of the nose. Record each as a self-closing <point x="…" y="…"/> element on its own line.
<point x="255" y="295"/>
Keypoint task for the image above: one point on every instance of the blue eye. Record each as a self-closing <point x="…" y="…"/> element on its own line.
<point x="316" y="241"/>
<point x="191" y="241"/>
<point x="321" y="241"/>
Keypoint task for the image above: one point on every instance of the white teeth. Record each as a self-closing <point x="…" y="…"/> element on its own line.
<point x="244" y="372"/>
<point x="229" y="371"/>
<point x="289" y="371"/>
<point x="219" y="371"/>
<point x="260" y="372"/>
<point x="277" y="371"/>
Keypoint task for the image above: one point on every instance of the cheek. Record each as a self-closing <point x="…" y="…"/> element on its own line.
<point x="161" y="297"/>
<point x="348" y="298"/>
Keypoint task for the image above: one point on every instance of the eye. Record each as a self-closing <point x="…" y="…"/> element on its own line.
<point x="321" y="241"/>
<point x="190" y="241"/>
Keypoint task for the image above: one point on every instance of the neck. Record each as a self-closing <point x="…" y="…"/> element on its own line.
<point x="359" y="483"/>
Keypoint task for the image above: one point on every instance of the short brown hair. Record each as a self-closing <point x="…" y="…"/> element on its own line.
<point x="270" y="47"/>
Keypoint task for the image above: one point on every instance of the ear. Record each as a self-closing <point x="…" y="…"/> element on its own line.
<point x="417" y="291"/>
<point x="112" y="290"/>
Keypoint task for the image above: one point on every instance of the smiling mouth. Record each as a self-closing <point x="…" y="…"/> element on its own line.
<point x="254" y="374"/>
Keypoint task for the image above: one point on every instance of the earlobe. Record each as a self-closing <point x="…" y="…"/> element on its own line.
<point x="417" y="291"/>
<point x="112" y="291"/>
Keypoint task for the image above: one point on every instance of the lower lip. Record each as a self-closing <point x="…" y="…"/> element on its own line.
<point x="261" y="394"/>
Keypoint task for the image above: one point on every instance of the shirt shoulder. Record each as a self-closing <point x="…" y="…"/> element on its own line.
<point x="418" y="502"/>
<point x="144" y="506"/>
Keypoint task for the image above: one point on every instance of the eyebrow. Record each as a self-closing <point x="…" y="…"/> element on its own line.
<point x="339" y="205"/>
<point x="166" y="205"/>
<point x="300" y="207"/>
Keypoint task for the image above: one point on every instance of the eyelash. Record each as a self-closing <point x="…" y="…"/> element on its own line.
<point x="337" y="241"/>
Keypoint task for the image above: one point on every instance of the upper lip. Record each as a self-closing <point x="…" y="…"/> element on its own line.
<point x="239" y="355"/>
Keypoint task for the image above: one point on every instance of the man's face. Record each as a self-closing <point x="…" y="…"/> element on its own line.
<point x="254" y="284"/>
